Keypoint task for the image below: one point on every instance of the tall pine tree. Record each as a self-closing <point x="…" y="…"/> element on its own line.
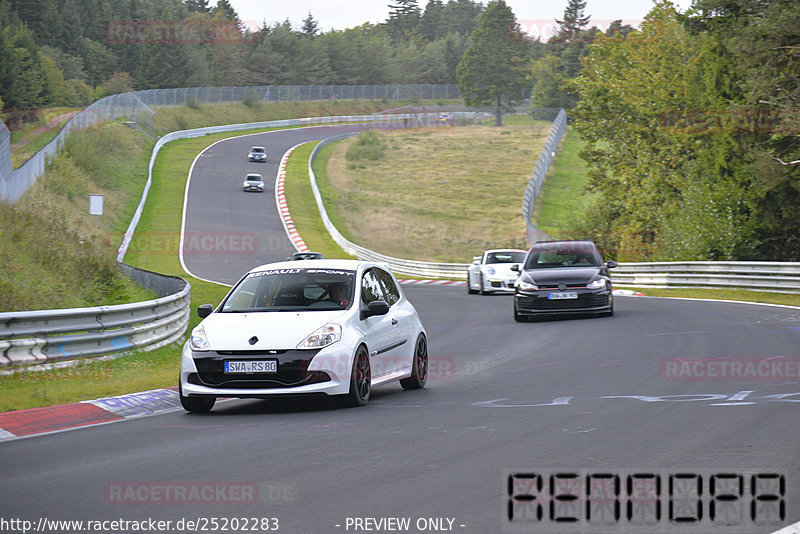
<point x="493" y="70"/>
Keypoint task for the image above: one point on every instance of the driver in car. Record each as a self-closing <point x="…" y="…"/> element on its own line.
<point x="339" y="293"/>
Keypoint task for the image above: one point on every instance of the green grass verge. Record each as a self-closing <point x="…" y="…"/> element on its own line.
<point x="786" y="299"/>
<point x="303" y="207"/>
<point x="435" y="194"/>
<point x="563" y="193"/>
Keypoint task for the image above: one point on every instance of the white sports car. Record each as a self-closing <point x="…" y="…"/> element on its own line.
<point x="492" y="271"/>
<point x="332" y="327"/>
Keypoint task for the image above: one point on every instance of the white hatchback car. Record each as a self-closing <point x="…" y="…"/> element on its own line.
<point x="492" y="271"/>
<point x="253" y="182"/>
<point x="332" y="327"/>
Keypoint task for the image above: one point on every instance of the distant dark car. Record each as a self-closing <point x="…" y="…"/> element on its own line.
<point x="563" y="277"/>
<point x="306" y="256"/>
<point x="257" y="153"/>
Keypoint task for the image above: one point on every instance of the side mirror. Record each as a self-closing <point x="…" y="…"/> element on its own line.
<point x="376" y="307"/>
<point x="611" y="264"/>
<point x="204" y="310"/>
<point x="515" y="268"/>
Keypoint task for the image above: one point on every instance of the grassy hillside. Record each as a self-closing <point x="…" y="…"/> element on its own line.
<point x="439" y="194"/>
<point x="51" y="253"/>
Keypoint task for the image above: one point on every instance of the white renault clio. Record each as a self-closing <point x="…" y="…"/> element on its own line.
<point x="333" y="327"/>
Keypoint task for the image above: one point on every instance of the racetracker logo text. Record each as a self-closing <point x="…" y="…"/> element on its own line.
<point x="772" y="368"/>
<point x="179" y="493"/>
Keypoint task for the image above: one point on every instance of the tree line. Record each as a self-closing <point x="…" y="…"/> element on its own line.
<point x="692" y="129"/>
<point x="70" y="52"/>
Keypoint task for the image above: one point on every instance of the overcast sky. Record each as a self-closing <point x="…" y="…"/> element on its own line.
<point x="533" y="15"/>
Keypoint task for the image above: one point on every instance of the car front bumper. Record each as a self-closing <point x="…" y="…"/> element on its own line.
<point x="538" y="303"/>
<point x="300" y="372"/>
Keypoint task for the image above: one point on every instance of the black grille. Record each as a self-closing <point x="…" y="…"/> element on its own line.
<point x="292" y="369"/>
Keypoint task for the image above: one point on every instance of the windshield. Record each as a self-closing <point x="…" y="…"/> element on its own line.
<point x="252" y="178"/>
<point x="505" y="257"/>
<point x="258" y="150"/>
<point x="292" y="290"/>
<point x="564" y="256"/>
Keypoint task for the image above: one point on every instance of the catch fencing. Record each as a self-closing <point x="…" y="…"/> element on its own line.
<point x="34" y="337"/>
<point x="14" y="182"/>
<point x="136" y="108"/>
<point x="539" y="173"/>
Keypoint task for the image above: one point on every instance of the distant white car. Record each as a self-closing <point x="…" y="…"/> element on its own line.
<point x="258" y="153"/>
<point x="332" y="327"/>
<point x="492" y="272"/>
<point x="253" y="182"/>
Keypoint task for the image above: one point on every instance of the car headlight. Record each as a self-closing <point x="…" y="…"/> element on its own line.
<point x="525" y="286"/>
<point x="322" y="337"/>
<point x="198" y="340"/>
<point x="490" y="270"/>
<point x="596" y="284"/>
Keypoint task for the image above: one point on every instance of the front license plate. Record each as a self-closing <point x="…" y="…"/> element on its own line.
<point x="251" y="366"/>
<point x="562" y="296"/>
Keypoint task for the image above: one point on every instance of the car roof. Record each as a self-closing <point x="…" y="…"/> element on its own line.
<point x="504" y="250"/>
<point x="576" y="243"/>
<point x="325" y="263"/>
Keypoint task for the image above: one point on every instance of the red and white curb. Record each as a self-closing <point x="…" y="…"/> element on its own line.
<point x="48" y="419"/>
<point x="280" y="200"/>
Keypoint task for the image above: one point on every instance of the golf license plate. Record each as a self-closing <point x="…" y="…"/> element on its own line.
<point x="251" y="366"/>
<point x="562" y="296"/>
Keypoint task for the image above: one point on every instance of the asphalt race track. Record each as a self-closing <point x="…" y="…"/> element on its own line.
<point x="227" y="231"/>
<point x="587" y="395"/>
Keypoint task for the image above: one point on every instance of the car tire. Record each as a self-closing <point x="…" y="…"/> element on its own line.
<point x="419" y="367"/>
<point x="196" y="404"/>
<point x="360" y="380"/>
<point x="481" y="290"/>
<point x="469" y="285"/>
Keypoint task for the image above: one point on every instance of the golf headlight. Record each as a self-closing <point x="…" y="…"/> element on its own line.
<point x="596" y="284"/>
<point x="198" y="340"/>
<point x="525" y="286"/>
<point x="322" y="337"/>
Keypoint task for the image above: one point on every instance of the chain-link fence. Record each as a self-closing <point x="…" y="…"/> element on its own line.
<point x="536" y="180"/>
<point x="285" y="93"/>
<point x="14" y="182"/>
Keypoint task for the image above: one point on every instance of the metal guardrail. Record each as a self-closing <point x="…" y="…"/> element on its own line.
<point x="41" y="336"/>
<point x="758" y="275"/>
